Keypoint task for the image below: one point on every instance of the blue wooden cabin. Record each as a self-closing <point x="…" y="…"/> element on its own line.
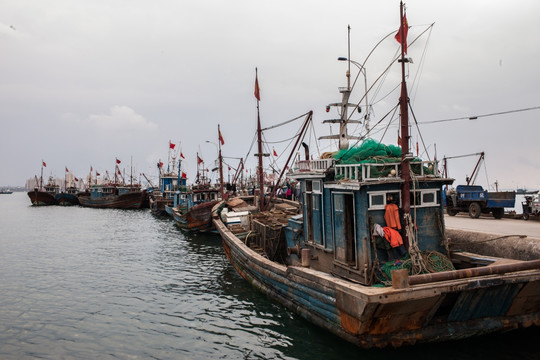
<point x="341" y="204"/>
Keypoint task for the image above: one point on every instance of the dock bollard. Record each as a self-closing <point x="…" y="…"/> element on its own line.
<point x="306" y="257"/>
<point x="400" y="279"/>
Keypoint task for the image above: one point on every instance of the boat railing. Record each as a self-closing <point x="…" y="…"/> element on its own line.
<point x="379" y="171"/>
<point x="318" y="165"/>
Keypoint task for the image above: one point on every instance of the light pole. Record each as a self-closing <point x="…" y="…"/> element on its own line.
<point x="362" y="70"/>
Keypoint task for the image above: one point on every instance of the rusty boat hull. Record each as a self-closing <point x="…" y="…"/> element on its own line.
<point x="41" y="198"/>
<point x="132" y="200"/>
<point x="378" y="317"/>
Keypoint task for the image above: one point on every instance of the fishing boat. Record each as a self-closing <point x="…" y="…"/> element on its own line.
<point x="166" y="196"/>
<point x="115" y="195"/>
<point x="44" y="195"/>
<point x="70" y="195"/>
<point x="6" y="192"/>
<point x="367" y="257"/>
<point x="195" y="212"/>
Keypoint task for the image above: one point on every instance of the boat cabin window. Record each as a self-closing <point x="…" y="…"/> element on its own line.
<point x="379" y="199"/>
<point x="425" y="198"/>
<point x="316" y="186"/>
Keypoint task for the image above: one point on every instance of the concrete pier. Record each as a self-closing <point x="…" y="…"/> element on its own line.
<point x="511" y="238"/>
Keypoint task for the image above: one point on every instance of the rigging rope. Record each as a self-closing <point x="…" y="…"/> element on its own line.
<point x="285" y="122"/>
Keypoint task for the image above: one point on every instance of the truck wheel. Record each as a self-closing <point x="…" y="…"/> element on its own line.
<point x="475" y="210"/>
<point x="525" y="216"/>
<point x="498" y="213"/>
<point x="451" y="212"/>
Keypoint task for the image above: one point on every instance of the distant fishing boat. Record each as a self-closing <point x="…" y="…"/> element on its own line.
<point x="171" y="179"/>
<point x="70" y="195"/>
<point x="44" y="195"/>
<point x="367" y="257"/>
<point x="114" y="195"/>
<point x="195" y="214"/>
<point x="6" y="192"/>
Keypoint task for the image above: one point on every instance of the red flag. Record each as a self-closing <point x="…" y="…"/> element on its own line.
<point x="76" y="179"/>
<point x="207" y="170"/>
<point x="221" y="138"/>
<point x="171" y="145"/>
<point x="67" y="169"/>
<point x="119" y="173"/>
<point x="417" y="151"/>
<point x="118" y="161"/>
<point x="184" y="175"/>
<point x="275" y="153"/>
<point x="182" y="155"/>
<point x="199" y="160"/>
<point x="405" y="28"/>
<point x="229" y="168"/>
<point x="98" y="174"/>
<point x="399" y="140"/>
<point x="257" y="90"/>
<point x="44" y="163"/>
<point x="160" y="164"/>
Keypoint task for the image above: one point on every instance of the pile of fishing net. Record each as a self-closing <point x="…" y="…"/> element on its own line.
<point x="435" y="262"/>
<point x="370" y="151"/>
<point x="374" y="152"/>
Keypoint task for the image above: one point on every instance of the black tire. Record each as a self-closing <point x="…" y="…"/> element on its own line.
<point x="475" y="210"/>
<point x="451" y="212"/>
<point x="498" y="213"/>
<point x="525" y="216"/>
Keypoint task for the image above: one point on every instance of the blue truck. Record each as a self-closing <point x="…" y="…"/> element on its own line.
<point x="475" y="200"/>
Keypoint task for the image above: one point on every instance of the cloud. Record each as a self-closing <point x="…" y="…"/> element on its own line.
<point x="121" y="117"/>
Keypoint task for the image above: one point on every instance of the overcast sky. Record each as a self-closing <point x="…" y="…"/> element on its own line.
<point x="85" y="82"/>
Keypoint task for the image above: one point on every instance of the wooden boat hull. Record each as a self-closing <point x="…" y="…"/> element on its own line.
<point x="158" y="205"/>
<point x="65" y="199"/>
<point x="41" y="198"/>
<point x="378" y="317"/>
<point x="133" y="200"/>
<point x="198" y="218"/>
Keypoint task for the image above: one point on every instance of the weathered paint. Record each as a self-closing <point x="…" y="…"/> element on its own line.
<point x="377" y="317"/>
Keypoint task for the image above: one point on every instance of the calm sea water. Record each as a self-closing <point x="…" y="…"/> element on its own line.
<point x="78" y="283"/>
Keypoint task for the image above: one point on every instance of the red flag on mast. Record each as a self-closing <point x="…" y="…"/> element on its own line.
<point x="221" y="138"/>
<point x="67" y="170"/>
<point x="257" y="90"/>
<point x="199" y="160"/>
<point x="275" y="153"/>
<point x="171" y="145"/>
<point x="184" y="175"/>
<point x="118" y="161"/>
<point x="182" y="155"/>
<point x="44" y="163"/>
<point x="405" y="28"/>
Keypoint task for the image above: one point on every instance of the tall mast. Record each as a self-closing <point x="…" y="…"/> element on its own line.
<point x="404" y="109"/>
<point x="220" y="165"/>
<point x="259" y="147"/>
<point x="41" y="178"/>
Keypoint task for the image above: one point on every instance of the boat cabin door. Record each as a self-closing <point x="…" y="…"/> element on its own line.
<point x="344" y="225"/>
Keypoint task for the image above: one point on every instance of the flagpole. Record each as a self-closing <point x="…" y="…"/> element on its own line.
<point x="220" y="138"/>
<point x="404" y="109"/>
<point x="259" y="145"/>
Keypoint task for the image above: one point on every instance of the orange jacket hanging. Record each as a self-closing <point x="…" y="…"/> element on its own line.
<point x="393" y="237"/>
<point x="391" y="216"/>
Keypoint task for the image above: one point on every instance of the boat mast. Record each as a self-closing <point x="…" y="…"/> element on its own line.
<point x="259" y="147"/>
<point x="404" y="109"/>
<point x="41" y="178"/>
<point x="220" y="164"/>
